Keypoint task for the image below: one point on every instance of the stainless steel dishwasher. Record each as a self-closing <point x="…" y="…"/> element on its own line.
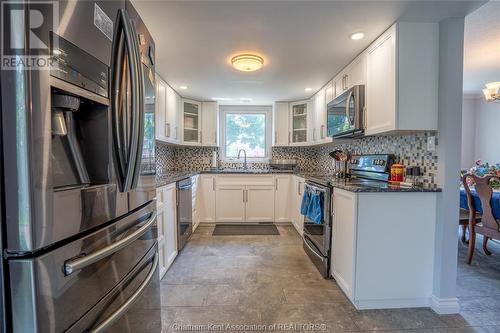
<point x="184" y="212"/>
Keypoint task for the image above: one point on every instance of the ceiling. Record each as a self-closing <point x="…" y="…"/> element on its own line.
<point x="303" y="43"/>
<point x="482" y="48"/>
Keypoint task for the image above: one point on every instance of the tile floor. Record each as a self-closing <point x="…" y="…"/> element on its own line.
<point x="265" y="280"/>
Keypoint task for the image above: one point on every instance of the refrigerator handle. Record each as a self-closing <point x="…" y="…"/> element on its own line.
<point x="126" y="147"/>
<point x="138" y="134"/>
<point x="80" y="262"/>
<point x="104" y="326"/>
<point x="117" y="60"/>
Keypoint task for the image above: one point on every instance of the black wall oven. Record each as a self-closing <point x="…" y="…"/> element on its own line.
<point x="317" y="236"/>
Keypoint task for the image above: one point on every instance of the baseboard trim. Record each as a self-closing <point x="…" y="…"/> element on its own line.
<point x="392" y="303"/>
<point x="170" y="260"/>
<point x="445" y="305"/>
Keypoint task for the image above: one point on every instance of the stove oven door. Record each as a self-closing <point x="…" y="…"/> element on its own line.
<point x="317" y="236"/>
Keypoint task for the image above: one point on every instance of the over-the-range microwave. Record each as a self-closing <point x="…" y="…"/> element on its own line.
<point x="346" y="113"/>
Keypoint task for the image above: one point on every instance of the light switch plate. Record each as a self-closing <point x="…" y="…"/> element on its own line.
<point x="431" y="143"/>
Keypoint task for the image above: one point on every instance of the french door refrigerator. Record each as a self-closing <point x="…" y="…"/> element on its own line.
<point x="79" y="236"/>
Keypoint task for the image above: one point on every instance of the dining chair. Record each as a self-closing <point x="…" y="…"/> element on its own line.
<point x="488" y="225"/>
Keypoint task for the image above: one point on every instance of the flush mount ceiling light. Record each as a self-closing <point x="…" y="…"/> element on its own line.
<point x="492" y="91"/>
<point x="245" y="99"/>
<point x="247" y="62"/>
<point x="183" y="87"/>
<point x="308" y="89"/>
<point x="357" y="36"/>
<point x="221" y="99"/>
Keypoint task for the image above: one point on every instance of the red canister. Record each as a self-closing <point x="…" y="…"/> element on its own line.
<point x="397" y="172"/>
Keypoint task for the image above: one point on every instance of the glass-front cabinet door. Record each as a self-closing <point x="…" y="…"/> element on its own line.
<point x="299" y="122"/>
<point x="192" y="121"/>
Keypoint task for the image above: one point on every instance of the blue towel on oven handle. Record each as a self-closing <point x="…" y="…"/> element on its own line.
<point x="315" y="208"/>
<point x="306" y="199"/>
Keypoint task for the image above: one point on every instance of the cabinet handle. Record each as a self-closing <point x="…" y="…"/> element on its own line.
<point x="289" y="140"/>
<point x="364" y="118"/>
<point x="275" y="137"/>
<point x="322" y="131"/>
<point x="276" y="184"/>
<point x="167" y="129"/>
<point x="201" y="137"/>
<point x="213" y="184"/>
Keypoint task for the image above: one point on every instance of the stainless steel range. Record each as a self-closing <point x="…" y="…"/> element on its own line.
<point x="364" y="170"/>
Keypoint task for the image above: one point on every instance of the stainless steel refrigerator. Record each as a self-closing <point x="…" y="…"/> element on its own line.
<point x="79" y="235"/>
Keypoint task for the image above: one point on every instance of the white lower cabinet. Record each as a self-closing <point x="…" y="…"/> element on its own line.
<point x="166" y="197"/>
<point x="297" y="217"/>
<point x="206" y="198"/>
<point x="374" y="261"/>
<point x="259" y="205"/>
<point x="344" y="233"/>
<point x="250" y="198"/>
<point x="283" y="198"/>
<point x="230" y="203"/>
<point x="194" y="203"/>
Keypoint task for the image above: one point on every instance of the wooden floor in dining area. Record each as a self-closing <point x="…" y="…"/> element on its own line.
<point x="266" y="280"/>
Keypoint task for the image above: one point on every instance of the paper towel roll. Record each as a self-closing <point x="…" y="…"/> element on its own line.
<point x="214" y="159"/>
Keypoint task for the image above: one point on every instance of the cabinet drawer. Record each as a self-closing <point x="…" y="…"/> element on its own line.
<point x="244" y="180"/>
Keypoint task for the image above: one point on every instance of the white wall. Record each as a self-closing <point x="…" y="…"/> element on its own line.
<point x="451" y="43"/>
<point x="480" y="131"/>
<point x="468" y="133"/>
<point x="487" y="131"/>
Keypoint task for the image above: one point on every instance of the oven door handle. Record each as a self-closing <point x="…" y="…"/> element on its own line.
<point x="312" y="250"/>
<point x="72" y="265"/>
<point x="102" y="327"/>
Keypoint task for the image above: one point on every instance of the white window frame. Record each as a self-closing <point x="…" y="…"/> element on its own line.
<point x="243" y="109"/>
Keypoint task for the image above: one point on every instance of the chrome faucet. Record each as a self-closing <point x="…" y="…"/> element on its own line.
<point x="244" y="163"/>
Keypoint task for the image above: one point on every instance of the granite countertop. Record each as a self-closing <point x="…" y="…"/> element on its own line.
<point x="351" y="185"/>
<point x="172" y="177"/>
<point x="358" y="185"/>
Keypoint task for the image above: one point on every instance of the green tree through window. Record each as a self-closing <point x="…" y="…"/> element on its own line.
<point x="246" y="131"/>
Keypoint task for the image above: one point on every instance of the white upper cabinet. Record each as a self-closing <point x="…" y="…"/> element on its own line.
<point x="280" y="124"/>
<point x="191" y="116"/>
<point x="208" y="134"/>
<point x="402" y="79"/>
<point x="172" y="115"/>
<point x="300" y="123"/>
<point x="166" y="112"/>
<point x="329" y="91"/>
<point x="320" y="118"/>
<point x="160" y="109"/>
<point x="352" y="75"/>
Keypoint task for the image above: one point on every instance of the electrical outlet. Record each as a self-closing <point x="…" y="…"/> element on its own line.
<point x="431" y="143"/>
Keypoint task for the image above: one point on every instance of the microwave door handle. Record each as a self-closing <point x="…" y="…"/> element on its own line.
<point x="347" y="107"/>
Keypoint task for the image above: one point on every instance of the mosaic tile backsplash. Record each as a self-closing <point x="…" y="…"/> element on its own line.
<point x="409" y="150"/>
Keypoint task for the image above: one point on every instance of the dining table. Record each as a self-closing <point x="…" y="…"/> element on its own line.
<point x="495" y="201"/>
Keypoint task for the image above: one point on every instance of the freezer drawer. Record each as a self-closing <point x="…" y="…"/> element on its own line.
<point x="133" y="306"/>
<point x="52" y="291"/>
